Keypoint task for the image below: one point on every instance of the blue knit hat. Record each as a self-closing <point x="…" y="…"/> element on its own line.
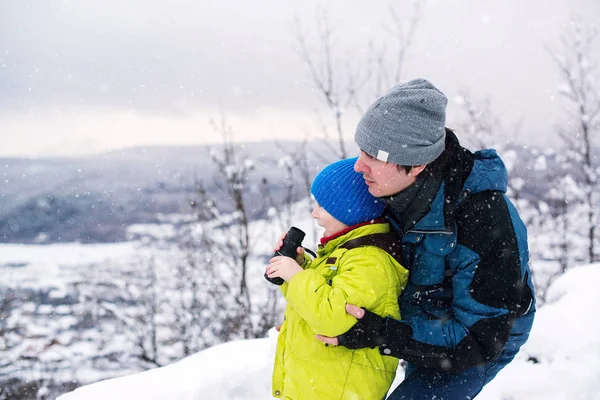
<point x="343" y="193"/>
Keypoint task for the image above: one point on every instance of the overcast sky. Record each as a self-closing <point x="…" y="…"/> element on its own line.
<point x="82" y="76"/>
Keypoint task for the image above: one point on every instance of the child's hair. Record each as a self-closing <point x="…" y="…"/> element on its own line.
<point x="343" y="193"/>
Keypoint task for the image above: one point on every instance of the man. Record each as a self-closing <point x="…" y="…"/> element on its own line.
<point x="469" y="303"/>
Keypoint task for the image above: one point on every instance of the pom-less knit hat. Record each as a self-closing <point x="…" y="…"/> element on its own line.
<point x="343" y="193"/>
<point x="406" y="126"/>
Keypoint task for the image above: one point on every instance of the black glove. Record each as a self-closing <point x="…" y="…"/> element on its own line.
<point x="367" y="332"/>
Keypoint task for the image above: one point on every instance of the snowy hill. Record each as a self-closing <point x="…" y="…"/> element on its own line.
<point x="560" y="361"/>
<point x="77" y="313"/>
<point x="93" y="199"/>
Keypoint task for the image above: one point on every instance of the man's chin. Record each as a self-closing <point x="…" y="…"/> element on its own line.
<point x="374" y="191"/>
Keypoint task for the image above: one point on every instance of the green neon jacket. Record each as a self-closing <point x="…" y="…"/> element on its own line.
<point x="365" y="276"/>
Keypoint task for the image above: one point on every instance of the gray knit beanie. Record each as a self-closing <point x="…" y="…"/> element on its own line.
<point x="406" y="126"/>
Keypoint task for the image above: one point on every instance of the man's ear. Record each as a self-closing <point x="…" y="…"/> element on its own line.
<point x="415" y="170"/>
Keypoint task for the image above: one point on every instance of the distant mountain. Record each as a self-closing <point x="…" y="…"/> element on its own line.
<point x="95" y="198"/>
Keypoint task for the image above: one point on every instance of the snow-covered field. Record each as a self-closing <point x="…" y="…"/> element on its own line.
<point x="560" y="361"/>
<point x="61" y="330"/>
<point x="53" y="342"/>
<point x="55" y="266"/>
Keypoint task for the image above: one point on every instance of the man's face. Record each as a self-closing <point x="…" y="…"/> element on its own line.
<point x="383" y="178"/>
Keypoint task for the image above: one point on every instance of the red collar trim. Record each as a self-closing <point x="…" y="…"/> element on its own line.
<point x="326" y="239"/>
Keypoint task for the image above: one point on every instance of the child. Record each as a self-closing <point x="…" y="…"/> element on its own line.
<point x="317" y="292"/>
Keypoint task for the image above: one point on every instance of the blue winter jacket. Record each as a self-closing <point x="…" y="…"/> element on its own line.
<point x="469" y="273"/>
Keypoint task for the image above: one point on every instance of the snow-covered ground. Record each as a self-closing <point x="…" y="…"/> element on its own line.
<point x="37" y="266"/>
<point x="63" y="333"/>
<point x="48" y="345"/>
<point x="560" y="361"/>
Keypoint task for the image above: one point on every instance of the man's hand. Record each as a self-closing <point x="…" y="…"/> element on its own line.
<point x="283" y="267"/>
<point x="367" y="332"/>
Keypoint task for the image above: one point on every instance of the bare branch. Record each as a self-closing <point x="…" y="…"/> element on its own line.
<point x="404" y="38"/>
<point x="581" y="90"/>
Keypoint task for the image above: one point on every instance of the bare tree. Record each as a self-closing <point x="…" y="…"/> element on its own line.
<point x="481" y="125"/>
<point x="187" y="311"/>
<point x="11" y="333"/>
<point x="386" y="64"/>
<point x="296" y="184"/>
<point x="138" y="312"/>
<point x="219" y="303"/>
<point x="199" y="291"/>
<point x="337" y="90"/>
<point x="562" y="197"/>
<point x="581" y="90"/>
<point x="281" y="211"/>
<point x="233" y="170"/>
<point x="340" y="81"/>
<point x="306" y="175"/>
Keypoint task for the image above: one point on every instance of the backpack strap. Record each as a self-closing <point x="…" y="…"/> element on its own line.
<point x="388" y="242"/>
<point x="333" y="261"/>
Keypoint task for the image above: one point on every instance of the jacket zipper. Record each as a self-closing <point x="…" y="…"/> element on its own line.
<point x="422" y="231"/>
<point x="426" y="293"/>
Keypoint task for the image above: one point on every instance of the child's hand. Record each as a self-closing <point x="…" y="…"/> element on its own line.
<point x="299" y="250"/>
<point x="283" y="267"/>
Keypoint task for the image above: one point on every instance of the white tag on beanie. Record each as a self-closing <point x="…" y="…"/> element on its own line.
<point x="383" y="155"/>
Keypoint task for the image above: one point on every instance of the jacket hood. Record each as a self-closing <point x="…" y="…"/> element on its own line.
<point x="488" y="173"/>
<point x="468" y="173"/>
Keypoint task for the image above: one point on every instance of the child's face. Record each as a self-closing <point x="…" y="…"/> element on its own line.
<point x="327" y="221"/>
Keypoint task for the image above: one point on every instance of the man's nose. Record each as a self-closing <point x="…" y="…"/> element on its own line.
<point x="359" y="165"/>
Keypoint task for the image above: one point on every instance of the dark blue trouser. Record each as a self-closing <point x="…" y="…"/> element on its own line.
<point x="426" y="384"/>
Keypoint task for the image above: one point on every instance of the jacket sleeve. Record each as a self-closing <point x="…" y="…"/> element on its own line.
<point x="487" y="290"/>
<point x="362" y="279"/>
<point x="306" y="264"/>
